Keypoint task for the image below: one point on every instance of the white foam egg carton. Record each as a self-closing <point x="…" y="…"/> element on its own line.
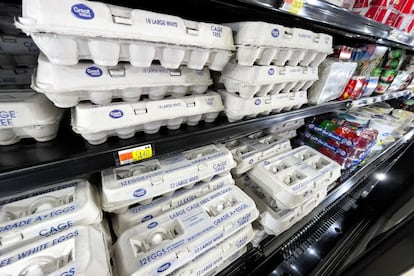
<point x="96" y="122"/>
<point x="27" y="114"/>
<point x="15" y="76"/>
<point x="65" y="86"/>
<point x="293" y="177"/>
<point x="17" y="45"/>
<point x="265" y="44"/>
<point x="17" y="61"/>
<point x="142" y="182"/>
<point x="289" y="134"/>
<point x="210" y="262"/>
<point x="274" y="220"/>
<point x="141" y="213"/>
<point x="167" y="243"/>
<point x="286" y="126"/>
<point x="237" y="108"/>
<point x="228" y="261"/>
<point x="108" y="34"/>
<point x="80" y="250"/>
<point x="45" y="211"/>
<point x="259" y="81"/>
<point x="251" y="149"/>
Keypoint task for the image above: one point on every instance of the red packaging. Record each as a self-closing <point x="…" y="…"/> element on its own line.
<point x="354" y="88"/>
<point x="404" y="22"/>
<point x="361" y="4"/>
<point x="383" y="15"/>
<point x="405" y="6"/>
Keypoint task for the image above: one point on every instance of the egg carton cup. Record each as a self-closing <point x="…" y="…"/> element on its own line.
<point x="17" y="45"/>
<point x="249" y="150"/>
<point x="265" y="44"/>
<point x="260" y="81"/>
<point x="77" y="251"/>
<point x="273" y="220"/>
<point x="167" y="243"/>
<point x="142" y="182"/>
<point x="237" y="108"/>
<point x="293" y="177"/>
<point x="27" y="114"/>
<point x="282" y="127"/>
<point x="108" y="34"/>
<point x="18" y="61"/>
<point x="210" y="262"/>
<point x="46" y="211"/>
<point x="137" y="214"/>
<point x="66" y="86"/>
<point x="96" y="122"/>
<point x="15" y="76"/>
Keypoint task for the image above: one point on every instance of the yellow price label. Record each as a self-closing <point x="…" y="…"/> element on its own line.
<point x="135" y="154"/>
<point x="293" y="6"/>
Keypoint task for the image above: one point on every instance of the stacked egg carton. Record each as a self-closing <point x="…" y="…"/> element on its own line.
<point x="121" y="45"/>
<point x="56" y="229"/>
<point x="288" y="186"/>
<point x="173" y="215"/>
<point x="274" y="67"/>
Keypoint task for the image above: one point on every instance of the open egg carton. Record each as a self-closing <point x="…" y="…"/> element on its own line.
<point x="67" y="85"/>
<point x="251" y="149"/>
<point x="237" y="108"/>
<point x="108" y="34"/>
<point x="126" y="185"/>
<point x="162" y="245"/>
<point x="214" y="260"/>
<point x="96" y="122"/>
<point x="265" y="44"/>
<point x="273" y="220"/>
<point x="140" y="213"/>
<point x="291" y="178"/>
<point x="259" y="81"/>
<point x="45" y="211"/>
<point x="27" y="114"/>
<point x="80" y="250"/>
<point x="15" y="76"/>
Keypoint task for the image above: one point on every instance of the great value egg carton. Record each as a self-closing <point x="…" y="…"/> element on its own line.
<point x="96" y="122"/>
<point x="286" y="126"/>
<point x="259" y="81"/>
<point x="67" y="85"/>
<point x="251" y="149"/>
<point x="293" y="177"/>
<point x="15" y="76"/>
<point x="107" y="34"/>
<point x="27" y="114"/>
<point x="172" y="240"/>
<point x="46" y="211"/>
<point x="17" y="45"/>
<point x="80" y="250"/>
<point x="267" y="43"/>
<point x="141" y="213"/>
<point x="142" y="182"/>
<point x="274" y="220"/>
<point x="228" y="261"/>
<point x="210" y="262"/>
<point x="236" y="108"/>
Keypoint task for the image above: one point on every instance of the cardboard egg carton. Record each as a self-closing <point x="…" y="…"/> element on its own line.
<point x="289" y="179"/>
<point x="252" y="148"/>
<point x="108" y="34"/>
<point x="140" y="213"/>
<point x="260" y="81"/>
<point x="126" y="185"/>
<point x="162" y="245"/>
<point x="79" y="250"/>
<point x="265" y="44"/>
<point x="237" y="108"/>
<point x="65" y="86"/>
<point x="27" y="114"/>
<point x="46" y="211"/>
<point x="96" y="122"/>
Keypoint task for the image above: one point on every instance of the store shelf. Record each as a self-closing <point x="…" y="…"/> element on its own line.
<point x="270" y="250"/>
<point x="381" y="98"/>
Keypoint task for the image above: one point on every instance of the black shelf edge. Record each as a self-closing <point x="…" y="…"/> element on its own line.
<point x="270" y="248"/>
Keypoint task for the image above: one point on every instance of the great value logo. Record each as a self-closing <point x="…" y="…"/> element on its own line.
<point x="140" y="192"/>
<point x="275" y="33"/>
<point x="115" y="114"/>
<point x="271" y="71"/>
<point x="164" y="267"/>
<point x="93" y="71"/>
<point x="82" y="11"/>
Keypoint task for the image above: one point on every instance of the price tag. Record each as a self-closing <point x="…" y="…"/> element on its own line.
<point x="293" y="6"/>
<point x="135" y="154"/>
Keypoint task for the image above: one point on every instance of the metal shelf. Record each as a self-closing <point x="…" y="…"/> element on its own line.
<point x="269" y="252"/>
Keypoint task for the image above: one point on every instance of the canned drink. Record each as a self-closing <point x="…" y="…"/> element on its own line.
<point x="395" y="54"/>
<point x="392" y="64"/>
<point x="388" y="75"/>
